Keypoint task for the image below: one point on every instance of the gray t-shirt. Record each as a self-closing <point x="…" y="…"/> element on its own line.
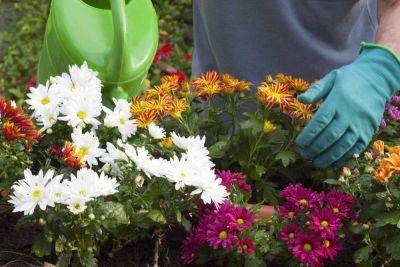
<point x="306" y="38"/>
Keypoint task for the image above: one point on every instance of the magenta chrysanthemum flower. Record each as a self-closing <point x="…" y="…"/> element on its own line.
<point x="340" y="203"/>
<point x="324" y="222"/>
<point x="233" y="178"/>
<point x="301" y="197"/>
<point x="246" y="246"/>
<point x="288" y="211"/>
<point x="240" y="219"/>
<point x="330" y="247"/>
<point x="191" y="246"/>
<point x="218" y="235"/>
<point x="307" y="249"/>
<point x="289" y="234"/>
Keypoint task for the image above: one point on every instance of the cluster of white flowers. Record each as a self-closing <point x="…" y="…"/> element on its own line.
<point x="45" y="190"/>
<point x="194" y="168"/>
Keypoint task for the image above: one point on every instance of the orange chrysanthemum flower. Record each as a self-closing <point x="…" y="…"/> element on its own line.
<point x="172" y="81"/>
<point x="71" y="156"/>
<point x="300" y="111"/>
<point x="207" y="84"/>
<point x="379" y="147"/>
<point x="230" y="84"/>
<point x="271" y="94"/>
<point x="138" y="105"/>
<point x="159" y="90"/>
<point x="394" y="160"/>
<point x="177" y="106"/>
<point x="284" y="79"/>
<point x="158" y="105"/>
<point x="144" y="119"/>
<point x="395" y="150"/>
<point x="299" y="85"/>
<point x="383" y="173"/>
<point x="167" y="142"/>
<point x="16" y="125"/>
<point x="184" y="91"/>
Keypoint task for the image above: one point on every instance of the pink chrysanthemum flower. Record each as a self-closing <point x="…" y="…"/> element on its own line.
<point x="324" y="222"/>
<point x="233" y="178"/>
<point x="301" y="197"/>
<point x="219" y="235"/>
<point x="246" y="246"/>
<point x="240" y="219"/>
<point x="307" y="249"/>
<point x="340" y="204"/>
<point x="330" y="247"/>
<point x="191" y="246"/>
<point x="289" y="234"/>
<point x="288" y="211"/>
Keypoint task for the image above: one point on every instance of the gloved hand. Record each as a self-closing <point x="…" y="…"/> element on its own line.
<point x="355" y="97"/>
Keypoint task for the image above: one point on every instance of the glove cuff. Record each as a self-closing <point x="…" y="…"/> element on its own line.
<point x="388" y="64"/>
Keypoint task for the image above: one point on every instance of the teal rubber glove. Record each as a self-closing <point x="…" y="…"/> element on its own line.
<point x="355" y="97"/>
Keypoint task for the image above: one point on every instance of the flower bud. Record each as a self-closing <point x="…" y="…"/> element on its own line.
<point x="368" y="156"/>
<point x="106" y="167"/>
<point x="139" y="180"/>
<point x="346" y="171"/>
<point x="42" y="221"/>
<point x="92" y="216"/>
<point x="341" y="179"/>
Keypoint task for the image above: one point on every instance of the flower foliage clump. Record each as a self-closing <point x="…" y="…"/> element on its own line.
<point x="313" y="223"/>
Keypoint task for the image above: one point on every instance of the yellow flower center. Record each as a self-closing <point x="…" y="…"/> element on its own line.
<point x="326" y="243"/>
<point x="291" y="214"/>
<point x="81" y="115"/>
<point x="307" y="247"/>
<point x="57" y="194"/>
<point x="335" y="210"/>
<point x="122" y="121"/>
<point x="37" y="193"/>
<point x="240" y="221"/>
<point x="324" y="224"/>
<point x="82" y="192"/>
<point x="183" y="175"/>
<point x="77" y="206"/>
<point x="45" y="100"/>
<point x="222" y="235"/>
<point x="83" y="151"/>
<point x="291" y="235"/>
<point x="303" y="202"/>
<point x="245" y="247"/>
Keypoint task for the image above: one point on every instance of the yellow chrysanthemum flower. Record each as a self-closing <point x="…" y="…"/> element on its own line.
<point x="268" y="126"/>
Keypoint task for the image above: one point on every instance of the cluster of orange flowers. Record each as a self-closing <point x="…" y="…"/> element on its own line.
<point x="211" y="83"/>
<point x="69" y="155"/>
<point x="167" y="99"/>
<point x="281" y="91"/>
<point x="389" y="163"/>
<point x="16" y="125"/>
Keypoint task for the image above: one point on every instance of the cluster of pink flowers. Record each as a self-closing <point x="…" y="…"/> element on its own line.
<point x="236" y="179"/>
<point x="226" y="227"/>
<point x="313" y="221"/>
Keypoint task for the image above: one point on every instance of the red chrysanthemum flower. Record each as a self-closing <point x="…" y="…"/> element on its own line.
<point x="341" y="204"/>
<point x="71" y="157"/>
<point x="288" y="211"/>
<point x="324" y="222"/>
<point x="289" y="234"/>
<point x="246" y="246"/>
<point x="330" y="247"/>
<point x="16" y="125"/>
<point x="239" y="219"/>
<point x="219" y="235"/>
<point x="191" y="246"/>
<point x="30" y="83"/>
<point x="181" y="76"/>
<point x="187" y="56"/>
<point x="301" y="197"/>
<point x="307" y="249"/>
<point x="233" y="178"/>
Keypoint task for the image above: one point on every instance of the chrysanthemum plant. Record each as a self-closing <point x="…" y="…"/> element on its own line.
<point x="100" y="177"/>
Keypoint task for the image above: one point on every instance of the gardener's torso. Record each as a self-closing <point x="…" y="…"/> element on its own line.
<point x="307" y="38"/>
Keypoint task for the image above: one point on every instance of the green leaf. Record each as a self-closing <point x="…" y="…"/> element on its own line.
<point x="362" y="254"/>
<point x="218" y="150"/>
<point x="41" y="246"/>
<point x="157" y="216"/>
<point x="252" y="260"/>
<point x="331" y="181"/>
<point x="115" y="214"/>
<point x="64" y="260"/>
<point x="393" y="245"/>
<point x="388" y="218"/>
<point x="286" y="157"/>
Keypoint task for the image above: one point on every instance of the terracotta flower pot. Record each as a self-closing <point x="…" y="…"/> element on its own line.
<point x="265" y="211"/>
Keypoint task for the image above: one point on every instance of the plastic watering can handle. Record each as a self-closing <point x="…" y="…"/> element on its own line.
<point x="117" y="52"/>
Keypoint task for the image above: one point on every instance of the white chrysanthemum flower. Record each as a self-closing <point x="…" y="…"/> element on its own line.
<point x="47" y="117"/>
<point x="105" y="186"/>
<point x="113" y="154"/>
<point x="120" y="117"/>
<point x="87" y="145"/>
<point x="181" y="173"/>
<point x="82" y="185"/>
<point x="156" y="132"/>
<point x="81" y="109"/>
<point x="76" y="205"/>
<point x="56" y="190"/>
<point x="43" y="97"/>
<point x="211" y="191"/>
<point x="187" y="142"/>
<point x="32" y="191"/>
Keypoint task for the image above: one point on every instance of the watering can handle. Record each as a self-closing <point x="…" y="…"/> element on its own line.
<point x="117" y="52"/>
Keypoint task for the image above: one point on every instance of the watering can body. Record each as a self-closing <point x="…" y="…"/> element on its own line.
<point x="116" y="39"/>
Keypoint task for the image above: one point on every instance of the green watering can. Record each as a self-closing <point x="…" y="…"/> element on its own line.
<point x="117" y="38"/>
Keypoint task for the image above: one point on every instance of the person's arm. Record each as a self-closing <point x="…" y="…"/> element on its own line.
<point x="388" y="33"/>
<point x="354" y="96"/>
